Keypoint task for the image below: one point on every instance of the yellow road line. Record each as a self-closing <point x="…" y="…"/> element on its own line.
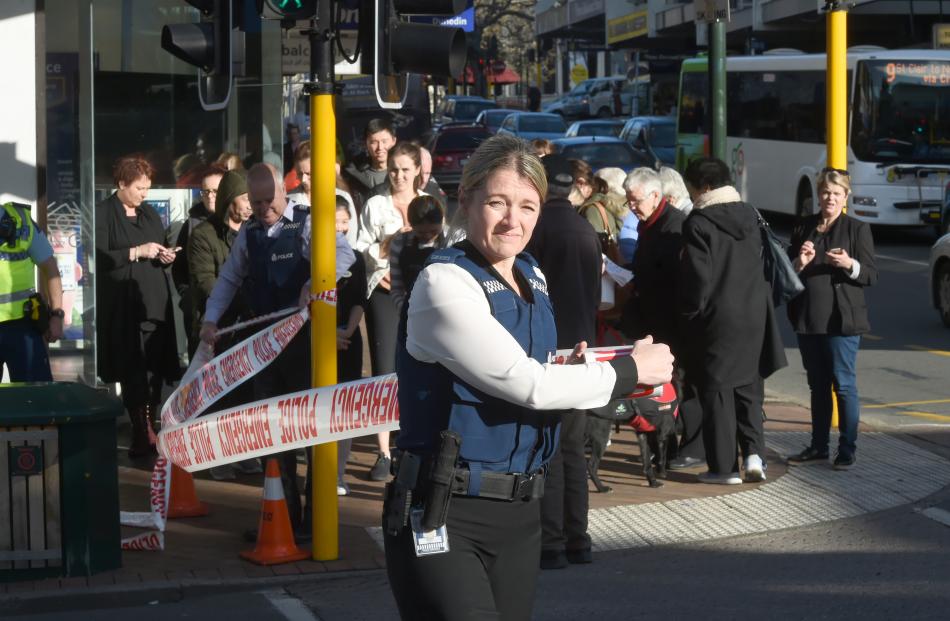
<point x="928" y="415"/>
<point x="882" y="406"/>
<point x="936" y="352"/>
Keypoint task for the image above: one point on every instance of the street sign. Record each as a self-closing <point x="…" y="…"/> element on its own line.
<point x="941" y="36"/>
<point x="710" y="11"/>
<point x="464" y="20"/>
<point x="578" y="74"/>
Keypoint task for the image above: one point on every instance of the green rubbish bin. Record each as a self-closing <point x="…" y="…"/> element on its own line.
<point x="59" y="481"/>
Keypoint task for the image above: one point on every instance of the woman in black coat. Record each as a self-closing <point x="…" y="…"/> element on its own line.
<point x="834" y="255"/>
<point x="135" y="330"/>
<point x="730" y="333"/>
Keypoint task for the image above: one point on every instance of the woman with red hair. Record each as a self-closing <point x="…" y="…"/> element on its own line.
<point x="134" y="325"/>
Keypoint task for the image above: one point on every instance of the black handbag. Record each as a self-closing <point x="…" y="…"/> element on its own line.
<point x="779" y="271"/>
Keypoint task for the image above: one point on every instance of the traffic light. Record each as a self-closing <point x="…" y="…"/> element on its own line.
<point x="395" y="47"/>
<point x="207" y="46"/>
<point x="287" y="9"/>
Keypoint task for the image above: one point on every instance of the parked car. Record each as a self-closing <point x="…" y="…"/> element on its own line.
<point x="491" y="119"/>
<point x="940" y="278"/>
<point x="596" y="127"/>
<point x="601" y="152"/>
<point x="596" y="97"/>
<point x="652" y="133"/>
<point x="456" y="108"/>
<point x="451" y="147"/>
<point x="532" y="125"/>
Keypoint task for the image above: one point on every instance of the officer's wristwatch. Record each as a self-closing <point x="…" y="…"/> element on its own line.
<point x="58" y="312"/>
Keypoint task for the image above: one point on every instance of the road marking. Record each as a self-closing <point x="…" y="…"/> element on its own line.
<point x="936" y="352"/>
<point x="900" y="260"/>
<point x="882" y="406"/>
<point x="928" y="415"/>
<point x="937" y="515"/>
<point x="288" y="606"/>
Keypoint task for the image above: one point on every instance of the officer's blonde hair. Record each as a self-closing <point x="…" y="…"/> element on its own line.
<point x="503" y="153"/>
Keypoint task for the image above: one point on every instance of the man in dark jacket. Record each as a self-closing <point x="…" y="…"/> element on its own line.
<point x="370" y="169"/>
<point x="568" y="251"/>
<point x="651" y="309"/>
<point x="729" y="324"/>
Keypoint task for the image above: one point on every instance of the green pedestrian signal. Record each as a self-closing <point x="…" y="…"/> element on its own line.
<point x="287" y="9"/>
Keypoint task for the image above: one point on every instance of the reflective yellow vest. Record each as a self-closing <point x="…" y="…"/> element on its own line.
<point x="16" y="266"/>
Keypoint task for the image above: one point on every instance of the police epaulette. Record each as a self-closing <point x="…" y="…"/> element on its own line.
<point x="445" y="255"/>
<point x="303" y="208"/>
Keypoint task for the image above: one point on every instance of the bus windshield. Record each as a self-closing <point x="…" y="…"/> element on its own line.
<point x="902" y="112"/>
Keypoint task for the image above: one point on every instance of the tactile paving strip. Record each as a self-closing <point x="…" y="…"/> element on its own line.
<point x="889" y="473"/>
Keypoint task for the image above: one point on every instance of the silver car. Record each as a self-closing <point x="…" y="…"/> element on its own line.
<point x="940" y="277"/>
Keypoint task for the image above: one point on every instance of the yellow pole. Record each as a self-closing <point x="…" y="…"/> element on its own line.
<point x="836" y="113"/>
<point x="324" y="503"/>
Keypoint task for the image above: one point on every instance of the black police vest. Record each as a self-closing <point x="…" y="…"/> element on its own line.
<point x="497" y="435"/>
<point x="277" y="266"/>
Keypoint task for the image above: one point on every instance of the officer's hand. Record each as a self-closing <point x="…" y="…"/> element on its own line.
<point x="654" y="362"/>
<point x="577" y="356"/>
<point x="209" y="332"/>
<point x="304" y="296"/>
<point x="55" y="330"/>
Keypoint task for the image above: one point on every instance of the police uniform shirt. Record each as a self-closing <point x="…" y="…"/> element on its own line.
<point x="450" y="323"/>
<point x="235" y="268"/>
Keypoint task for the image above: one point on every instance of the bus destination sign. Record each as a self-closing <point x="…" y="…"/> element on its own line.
<point x="933" y="74"/>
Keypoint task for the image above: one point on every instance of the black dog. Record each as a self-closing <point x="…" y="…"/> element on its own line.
<point x="654" y="420"/>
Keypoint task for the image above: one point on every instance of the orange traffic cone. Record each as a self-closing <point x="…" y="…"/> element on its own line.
<point x="275" y="538"/>
<point x="183" y="500"/>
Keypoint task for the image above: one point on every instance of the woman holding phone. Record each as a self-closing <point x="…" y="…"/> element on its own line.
<point x="834" y="255"/>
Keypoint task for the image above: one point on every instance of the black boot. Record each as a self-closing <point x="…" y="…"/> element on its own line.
<point x="140" y="445"/>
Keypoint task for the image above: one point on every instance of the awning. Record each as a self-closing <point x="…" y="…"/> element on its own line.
<point x="505" y="76"/>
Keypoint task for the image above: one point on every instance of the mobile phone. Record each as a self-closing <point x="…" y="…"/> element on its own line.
<point x="836" y="251"/>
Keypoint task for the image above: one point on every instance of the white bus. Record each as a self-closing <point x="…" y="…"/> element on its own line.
<point x="898" y="131"/>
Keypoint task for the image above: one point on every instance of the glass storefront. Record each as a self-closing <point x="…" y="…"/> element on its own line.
<point x="113" y="91"/>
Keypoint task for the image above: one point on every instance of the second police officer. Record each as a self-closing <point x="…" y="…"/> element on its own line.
<point x="461" y="517"/>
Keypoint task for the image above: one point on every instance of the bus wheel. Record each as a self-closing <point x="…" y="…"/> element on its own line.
<point x="805" y="206"/>
<point x="942" y="284"/>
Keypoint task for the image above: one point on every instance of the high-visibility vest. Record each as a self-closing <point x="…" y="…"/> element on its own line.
<point x="16" y="266"/>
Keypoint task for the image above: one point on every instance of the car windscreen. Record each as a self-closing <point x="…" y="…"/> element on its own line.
<point x="599" y="129"/>
<point x="468" y="110"/>
<point x="460" y="141"/>
<point x="545" y="124"/>
<point x="602" y="155"/>
<point x="663" y="135"/>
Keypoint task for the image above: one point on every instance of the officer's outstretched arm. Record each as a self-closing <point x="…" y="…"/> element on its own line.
<point x="54" y="289"/>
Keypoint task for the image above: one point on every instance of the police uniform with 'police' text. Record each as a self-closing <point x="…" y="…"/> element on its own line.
<point x="492" y="520"/>
<point x="22" y="247"/>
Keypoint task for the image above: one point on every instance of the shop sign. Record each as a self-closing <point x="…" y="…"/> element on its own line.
<point x="626" y="27"/>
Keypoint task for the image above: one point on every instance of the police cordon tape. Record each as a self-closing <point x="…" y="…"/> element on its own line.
<point x="207" y="380"/>
<point x="287" y="422"/>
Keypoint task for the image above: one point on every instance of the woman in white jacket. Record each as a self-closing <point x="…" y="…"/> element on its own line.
<point x="385" y="215"/>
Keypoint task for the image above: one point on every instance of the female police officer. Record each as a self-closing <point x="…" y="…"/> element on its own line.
<point x="461" y="518"/>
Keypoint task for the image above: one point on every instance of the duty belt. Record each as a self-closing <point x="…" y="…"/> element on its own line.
<point x="501" y="485"/>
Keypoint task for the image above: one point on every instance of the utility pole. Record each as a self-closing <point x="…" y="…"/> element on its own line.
<point x="717" y="88"/>
<point x="323" y="502"/>
<point x="836" y="20"/>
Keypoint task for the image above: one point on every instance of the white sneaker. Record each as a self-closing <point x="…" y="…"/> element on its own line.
<point x="222" y="473"/>
<point x="342" y="489"/>
<point x="754" y="469"/>
<point x="719" y="479"/>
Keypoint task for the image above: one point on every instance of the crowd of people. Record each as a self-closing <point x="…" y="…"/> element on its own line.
<point x="467" y="309"/>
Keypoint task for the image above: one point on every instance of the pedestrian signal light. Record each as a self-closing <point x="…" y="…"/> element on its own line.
<point x="396" y="47"/>
<point x="287" y="9"/>
<point x="207" y="46"/>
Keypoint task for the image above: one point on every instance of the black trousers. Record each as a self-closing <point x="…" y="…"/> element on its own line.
<point x="565" y="501"/>
<point x="691" y="418"/>
<point x="289" y="372"/>
<point x="732" y="415"/>
<point x="382" y="323"/>
<point x="142" y="380"/>
<point x="489" y="572"/>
